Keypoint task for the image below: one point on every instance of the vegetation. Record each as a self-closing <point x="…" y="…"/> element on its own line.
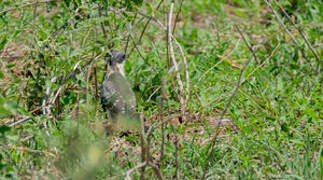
<point x="241" y="97"/>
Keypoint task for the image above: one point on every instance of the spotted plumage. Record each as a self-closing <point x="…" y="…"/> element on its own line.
<point x="117" y="97"/>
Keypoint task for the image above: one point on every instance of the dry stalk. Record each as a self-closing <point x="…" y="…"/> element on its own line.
<point x="175" y="66"/>
<point x="177" y="16"/>
<point x="172" y="55"/>
<point x="265" y="61"/>
<point x="205" y="169"/>
<point x="25" y="5"/>
<point x="96" y="85"/>
<point x="156" y="170"/>
<point x="88" y="75"/>
<point x="28" y="150"/>
<point x="102" y="24"/>
<point x="143" y="147"/>
<point x="49" y="103"/>
<point x="129" y="33"/>
<point x="20" y="121"/>
<point x="280" y="21"/>
<point x="162" y="146"/>
<point x="134" y="168"/>
<point x="219" y="62"/>
<point x="145" y="27"/>
<point x="302" y="34"/>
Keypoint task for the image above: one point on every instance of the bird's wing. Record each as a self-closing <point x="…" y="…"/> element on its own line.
<point x="117" y="94"/>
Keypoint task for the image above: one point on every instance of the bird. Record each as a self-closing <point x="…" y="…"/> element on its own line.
<point x="117" y="97"/>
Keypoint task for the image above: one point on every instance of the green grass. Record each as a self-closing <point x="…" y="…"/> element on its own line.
<point x="277" y="109"/>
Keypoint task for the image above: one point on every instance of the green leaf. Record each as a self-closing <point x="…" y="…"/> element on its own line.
<point x="3" y="42"/>
<point x="43" y="35"/>
<point x="4" y="129"/>
<point x="240" y="13"/>
<point x="11" y="65"/>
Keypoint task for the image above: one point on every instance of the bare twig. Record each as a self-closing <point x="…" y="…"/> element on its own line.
<point x="302" y="34"/>
<point x="162" y="99"/>
<point x="20" y="121"/>
<point x="70" y="75"/>
<point x="198" y="97"/>
<point x="152" y="94"/>
<point x="172" y="55"/>
<point x="47" y="93"/>
<point x="143" y="147"/>
<point x="156" y="170"/>
<point x="219" y="62"/>
<point x="102" y="23"/>
<point x="225" y="110"/>
<point x="128" y="38"/>
<point x="25" y="5"/>
<point x="28" y="150"/>
<point x="145" y="27"/>
<point x="88" y="75"/>
<point x="176" y="157"/>
<point x="134" y="168"/>
<point x="177" y="16"/>
<point x="96" y="85"/>
<point x="175" y="66"/>
<point x="280" y="21"/>
<point x="187" y="76"/>
<point x="249" y="46"/>
<point x="264" y="62"/>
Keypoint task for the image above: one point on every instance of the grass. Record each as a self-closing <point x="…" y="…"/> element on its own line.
<point x="273" y="125"/>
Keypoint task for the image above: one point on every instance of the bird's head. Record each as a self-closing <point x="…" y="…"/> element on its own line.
<point x="116" y="61"/>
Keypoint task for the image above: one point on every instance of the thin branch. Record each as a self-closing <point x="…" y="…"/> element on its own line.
<point x="198" y="97"/>
<point x="177" y="16"/>
<point x="172" y="55"/>
<point x="280" y="21"/>
<point x="187" y="76"/>
<point x="219" y="62"/>
<point x="28" y="150"/>
<point x="143" y="146"/>
<point x="170" y="36"/>
<point x="225" y="110"/>
<point x="161" y="103"/>
<point x="134" y="168"/>
<point x="145" y="27"/>
<point x="176" y="156"/>
<point x="156" y="170"/>
<point x="25" y="5"/>
<point x="88" y="75"/>
<point x="102" y="23"/>
<point x="128" y="38"/>
<point x="288" y="32"/>
<point x="20" y="121"/>
<point x="302" y="34"/>
<point x="96" y="85"/>
<point x="71" y="74"/>
<point x="249" y="46"/>
<point x="264" y="62"/>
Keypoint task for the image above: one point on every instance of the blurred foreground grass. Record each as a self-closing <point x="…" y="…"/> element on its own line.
<point x="272" y="128"/>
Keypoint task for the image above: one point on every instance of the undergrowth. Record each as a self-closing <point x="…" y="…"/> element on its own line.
<point x="271" y="129"/>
